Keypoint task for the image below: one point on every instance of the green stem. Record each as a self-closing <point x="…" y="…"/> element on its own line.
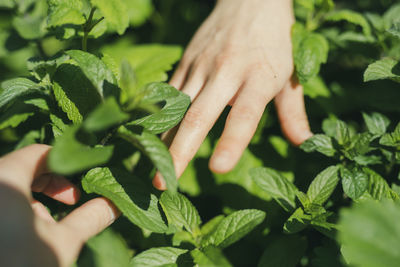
<point x="87" y="27"/>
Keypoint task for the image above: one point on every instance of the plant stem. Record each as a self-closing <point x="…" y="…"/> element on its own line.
<point x="87" y="27"/>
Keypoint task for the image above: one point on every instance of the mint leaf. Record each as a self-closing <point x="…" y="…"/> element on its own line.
<point x="69" y="156"/>
<point x="139" y="11"/>
<point x="352" y="17"/>
<point x="378" y="187"/>
<point x="323" y="185"/>
<point x="386" y="68"/>
<point x="74" y="93"/>
<point x="157" y="257"/>
<point x="343" y="134"/>
<point x="180" y="211"/>
<point x="176" y="104"/>
<point x="276" y="185"/>
<point x="354" y="182"/>
<point x="376" y="123"/>
<point x="30" y="26"/>
<point x="104" y="250"/>
<point x="97" y="72"/>
<point x="321" y="143"/>
<point x="310" y="50"/>
<point x="150" y="63"/>
<point x="211" y="225"/>
<point x="370" y="234"/>
<point x="209" y="257"/>
<point x="391" y="139"/>
<point x="15" y="115"/>
<point x="297" y="222"/>
<point x="395" y="29"/>
<point x="65" y="12"/>
<point x="234" y="227"/>
<point x="15" y="88"/>
<point x="285" y="251"/>
<point x="131" y="197"/>
<point x="391" y="16"/>
<point x="106" y="115"/>
<point x="157" y="152"/>
<point x="114" y="12"/>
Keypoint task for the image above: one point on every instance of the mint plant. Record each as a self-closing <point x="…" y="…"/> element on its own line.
<point x="88" y="78"/>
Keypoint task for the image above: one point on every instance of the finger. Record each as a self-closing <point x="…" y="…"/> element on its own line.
<point x="292" y="113"/>
<point x="20" y="167"/>
<point x="40" y="210"/>
<point x="198" y="121"/>
<point x="241" y="124"/>
<point x="195" y="81"/>
<point x="91" y="218"/>
<point x="180" y="74"/>
<point x="57" y="187"/>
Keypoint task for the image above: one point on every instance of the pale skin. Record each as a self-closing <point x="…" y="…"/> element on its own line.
<point x="241" y="56"/>
<point x="29" y="234"/>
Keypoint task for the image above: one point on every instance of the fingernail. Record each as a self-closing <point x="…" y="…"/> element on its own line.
<point x="221" y="161"/>
<point x="159" y="182"/>
<point x="112" y="215"/>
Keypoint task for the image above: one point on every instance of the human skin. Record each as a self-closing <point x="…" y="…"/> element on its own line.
<point x="240" y="56"/>
<point x="29" y="234"/>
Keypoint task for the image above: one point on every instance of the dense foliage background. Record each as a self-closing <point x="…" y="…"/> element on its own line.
<point x="347" y="57"/>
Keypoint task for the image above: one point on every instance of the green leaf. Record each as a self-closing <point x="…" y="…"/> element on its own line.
<point x="234" y="227"/>
<point x="65" y="12"/>
<point x="321" y="143"/>
<point x="276" y="185"/>
<point x="96" y="71"/>
<point x="15" y="88"/>
<point x="378" y="187"/>
<point x="209" y="257"/>
<point x="297" y="222"/>
<point x="127" y="81"/>
<point x="114" y="12"/>
<point x="310" y="50"/>
<point x="391" y="139"/>
<point x="376" y="123"/>
<point x="323" y="185"/>
<point x="69" y="156"/>
<point x="7" y="3"/>
<point x="106" y="115"/>
<point x="211" y="225"/>
<point x="316" y="87"/>
<point x="157" y="257"/>
<point x="352" y="17"/>
<point x="157" y="152"/>
<point x="150" y="62"/>
<point x="180" y="211"/>
<point x="285" y="251"/>
<point x="104" y="250"/>
<point x="176" y="104"/>
<point x="343" y="134"/>
<point x="391" y="16"/>
<point x="15" y="115"/>
<point x="395" y="29"/>
<point x="139" y="11"/>
<point x="30" y="26"/>
<point x="74" y="93"/>
<point x="354" y="182"/>
<point x="370" y="234"/>
<point x="128" y="193"/>
<point x="386" y="68"/>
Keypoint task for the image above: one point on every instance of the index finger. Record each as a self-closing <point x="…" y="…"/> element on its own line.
<point x="19" y="168"/>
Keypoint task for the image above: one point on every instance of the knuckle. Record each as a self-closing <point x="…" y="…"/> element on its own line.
<point x="194" y="118"/>
<point x="222" y="60"/>
<point x="244" y="113"/>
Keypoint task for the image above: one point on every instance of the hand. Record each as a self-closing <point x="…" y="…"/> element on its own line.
<point x="29" y="234"/>
<point x="241" y="56"/>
